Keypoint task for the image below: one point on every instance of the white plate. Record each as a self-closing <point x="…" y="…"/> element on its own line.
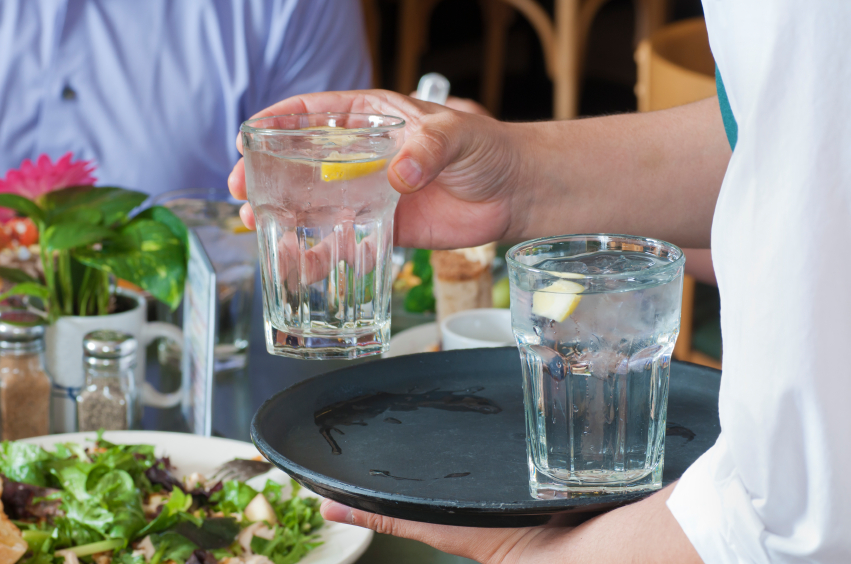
<point x="414" y="340"/>
<point x="342" y="544"/>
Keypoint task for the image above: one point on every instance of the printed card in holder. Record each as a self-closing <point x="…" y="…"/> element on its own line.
<point x="199" y="330"/>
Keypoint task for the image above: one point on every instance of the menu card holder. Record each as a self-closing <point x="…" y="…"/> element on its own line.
<point x="199" y="331"/>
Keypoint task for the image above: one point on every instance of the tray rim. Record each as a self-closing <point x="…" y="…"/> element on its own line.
<point x="309" y="478"/>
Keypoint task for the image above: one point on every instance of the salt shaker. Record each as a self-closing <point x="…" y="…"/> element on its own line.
<point x="108" y="397"/>
<point x="24" y="383"/>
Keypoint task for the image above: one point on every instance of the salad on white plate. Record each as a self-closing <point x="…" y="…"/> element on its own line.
<point x="117" y="498"/>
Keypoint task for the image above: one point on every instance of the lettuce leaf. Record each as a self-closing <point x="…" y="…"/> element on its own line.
<point x="233" y="497"/>
<point x="24" y="462"/>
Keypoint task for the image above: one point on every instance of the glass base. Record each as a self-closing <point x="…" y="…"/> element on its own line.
<point x="293" y="343"/>
<point x="229" y="356"/>
<point x="544" y="486"/>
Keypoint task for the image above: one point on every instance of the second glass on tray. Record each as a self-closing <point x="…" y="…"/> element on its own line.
<point x="596" y="318"/>
<point x="317" y="184"/>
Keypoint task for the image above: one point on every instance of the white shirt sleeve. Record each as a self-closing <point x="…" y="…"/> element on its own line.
<point x="774" y="487"/>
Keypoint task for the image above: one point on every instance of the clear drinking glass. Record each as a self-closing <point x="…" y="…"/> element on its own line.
<point x="595" y="318"/>
<point x="232" y="249"/>
<point x="324" y="208"/>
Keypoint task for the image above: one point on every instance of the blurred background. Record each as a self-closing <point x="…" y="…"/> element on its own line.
<point x="454" y="45"/>
<point x="627" y="55"/>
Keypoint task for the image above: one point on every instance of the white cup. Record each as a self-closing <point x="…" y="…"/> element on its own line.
<point x="476" y="329"/>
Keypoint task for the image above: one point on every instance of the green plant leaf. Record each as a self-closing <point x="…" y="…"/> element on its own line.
<point x="114" y="203"/>
<point x="167" y="218"/>
<point x="420" y="299"/>
<point x="89" y="216"/>
<point x="15" y="276"/>
<point x="422" y="265"/>
<point x="26" y="289"/>
<point x="22" y="205"/>
<point x="63" y="236"/>
<point x="146" y="253"/>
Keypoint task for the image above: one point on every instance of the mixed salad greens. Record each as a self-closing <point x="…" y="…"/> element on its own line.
<point x="119" y="504"/>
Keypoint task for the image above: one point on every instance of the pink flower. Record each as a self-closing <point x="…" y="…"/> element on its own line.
<point x="34" y="180"/>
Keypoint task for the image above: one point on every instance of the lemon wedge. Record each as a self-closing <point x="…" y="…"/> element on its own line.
<point x="335" y="171"/>
<point x="235" y="225"/>
<point x="558" y="300"/>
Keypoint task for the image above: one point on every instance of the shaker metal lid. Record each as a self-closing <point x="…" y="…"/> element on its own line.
<point x="108" y="344"/>
<point x="20" y="325"/>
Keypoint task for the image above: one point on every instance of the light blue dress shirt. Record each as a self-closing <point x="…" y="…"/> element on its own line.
<point x="155" y="90"/>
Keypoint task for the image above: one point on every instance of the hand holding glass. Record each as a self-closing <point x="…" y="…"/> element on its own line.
<point x="323" y="207"/>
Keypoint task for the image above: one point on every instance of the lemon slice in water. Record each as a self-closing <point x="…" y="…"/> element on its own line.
<point x="558" y="300"/>
<point x="335" y="171"/>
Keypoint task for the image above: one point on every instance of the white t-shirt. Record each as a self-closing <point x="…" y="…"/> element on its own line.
<point x="776" y="486"/>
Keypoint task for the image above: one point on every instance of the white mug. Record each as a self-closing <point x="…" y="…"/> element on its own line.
<point x="477" y="328"/>
<point x="64" y="357"/>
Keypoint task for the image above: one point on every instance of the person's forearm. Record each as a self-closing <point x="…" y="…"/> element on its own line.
<point x="655" y="174"/>
<point x="642" y="532"/>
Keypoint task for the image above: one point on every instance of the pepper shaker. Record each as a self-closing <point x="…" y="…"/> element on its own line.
<point x="24" y="383"/>
<point x="108" y="397"/>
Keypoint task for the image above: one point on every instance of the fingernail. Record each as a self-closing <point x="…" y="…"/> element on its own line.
<point x="409" y="172"/>
<point x="333" y="511"/>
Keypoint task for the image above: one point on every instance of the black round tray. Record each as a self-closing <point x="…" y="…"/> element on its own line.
<point x="440" y="438"/>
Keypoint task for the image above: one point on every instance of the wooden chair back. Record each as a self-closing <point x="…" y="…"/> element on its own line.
<point x="675" y="67"/>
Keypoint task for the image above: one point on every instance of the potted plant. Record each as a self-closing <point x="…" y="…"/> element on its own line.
<point x="89" y="238"/>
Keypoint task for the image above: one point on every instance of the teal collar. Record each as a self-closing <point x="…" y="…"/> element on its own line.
<point x="730" y="125"/>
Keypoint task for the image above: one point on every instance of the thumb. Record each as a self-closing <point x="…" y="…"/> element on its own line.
<point x="432" y="144"/>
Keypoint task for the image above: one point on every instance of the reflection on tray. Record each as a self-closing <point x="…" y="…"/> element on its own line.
<point x="357" y="410"/>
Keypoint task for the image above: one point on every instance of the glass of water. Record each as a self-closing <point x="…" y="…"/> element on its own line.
<point x="232" y="249"/>
<point x="595" y="318"/>
<point x="324" y="210"/>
